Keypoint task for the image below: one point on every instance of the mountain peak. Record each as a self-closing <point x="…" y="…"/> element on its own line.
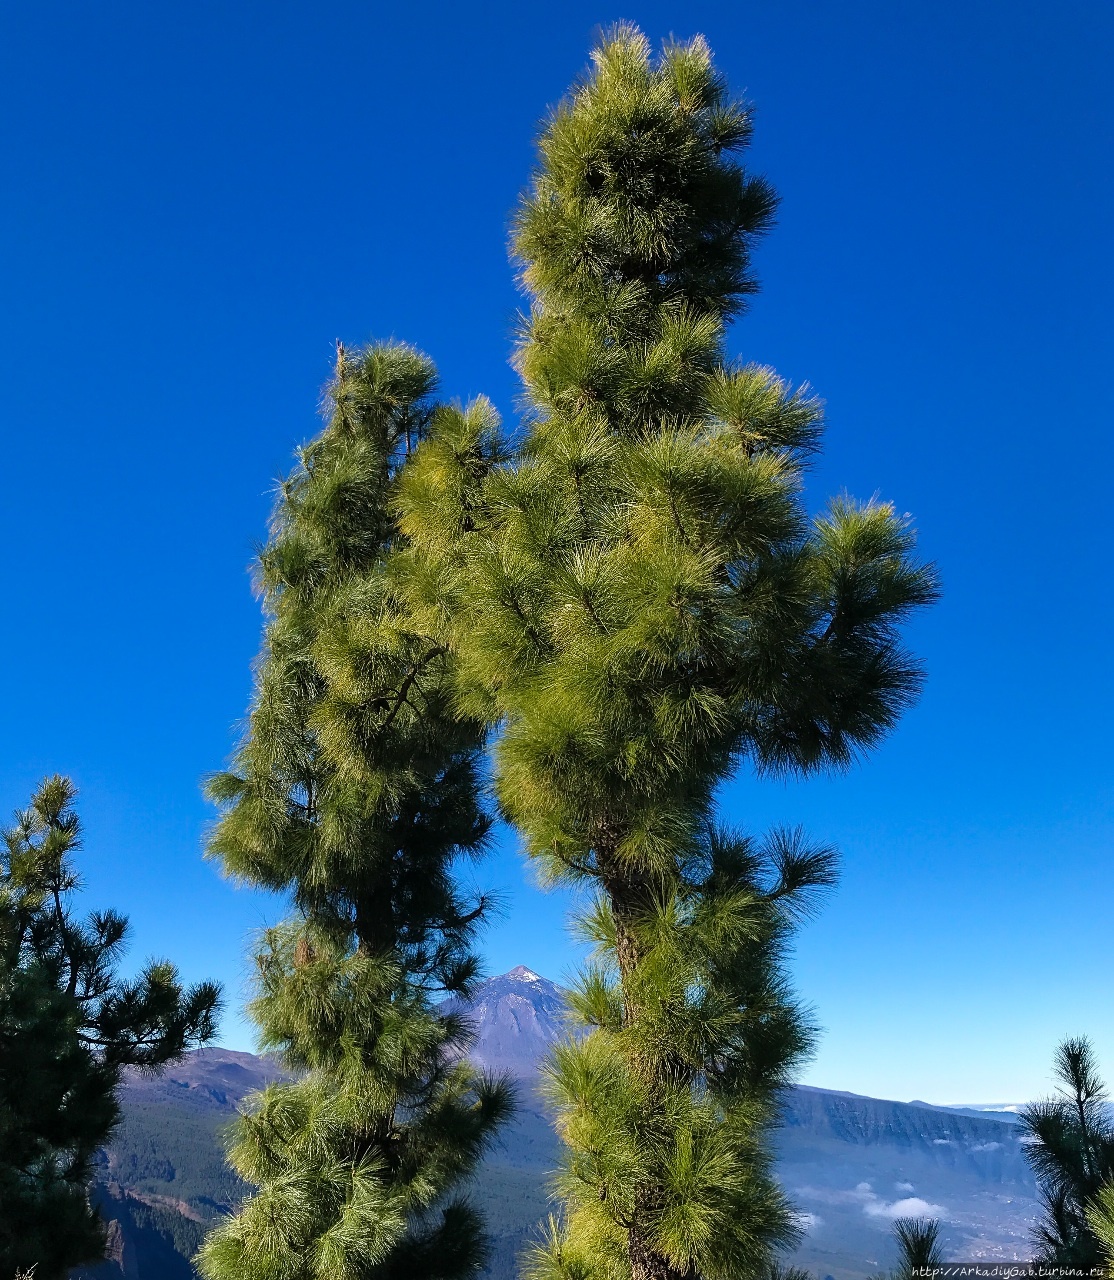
<point x="516" y="1018"/>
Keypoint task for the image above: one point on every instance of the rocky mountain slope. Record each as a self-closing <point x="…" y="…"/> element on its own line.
<point x="851" y="1163"/>
<point x="517" y="1016"/>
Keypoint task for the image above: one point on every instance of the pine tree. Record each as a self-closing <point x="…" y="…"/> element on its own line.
<point x="356" y="1162"/>
<point x="69" y="1025"/>
<point x="639" y="601"/>
<point x="1071" y="1150"/>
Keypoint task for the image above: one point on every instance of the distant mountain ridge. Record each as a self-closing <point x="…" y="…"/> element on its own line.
<point x="851" y="1163"/>
<point x="1006" y="1111"/>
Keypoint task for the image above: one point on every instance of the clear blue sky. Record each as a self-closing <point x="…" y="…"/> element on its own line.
<point x="199" y="198"/>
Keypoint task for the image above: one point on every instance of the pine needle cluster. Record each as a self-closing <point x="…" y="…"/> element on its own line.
<point x="918" y="1245"/>
<point x="639" y="601"/>
<point x="356" y="791"/>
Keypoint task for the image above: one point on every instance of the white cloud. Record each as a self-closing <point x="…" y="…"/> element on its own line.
<point x="808" y="1221"/>
<point x="873" y="1205"/>
<point x="910" y="1207"/>
<point x="941" y="1142"/>
<point x="987" y="1146"/>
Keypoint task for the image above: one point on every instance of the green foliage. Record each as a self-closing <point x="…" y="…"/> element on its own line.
<point x="918" y="1243"/>
<point x="355" y="790"/>
<point x="639" y="600"/>
<point x="1100" y="1219"/>
<point x="665" y="1105"/>
<point x="69" y="1024"/>
<point x="1072" y="1155"/>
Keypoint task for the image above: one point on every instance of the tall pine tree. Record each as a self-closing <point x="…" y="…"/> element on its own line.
<point x="357" y="1161"/>
<point x="69" y="1025"/>
<point x="640" y="601"/>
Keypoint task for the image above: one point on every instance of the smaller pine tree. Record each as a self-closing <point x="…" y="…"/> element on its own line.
<point x="69" y="1025"/>
<point x="356" y="790"/>
<point x="918" y="1243"/>
<point x="1071" y="1150"/>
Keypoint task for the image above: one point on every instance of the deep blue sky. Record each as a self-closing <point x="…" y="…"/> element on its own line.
<point x="199" y="198"/>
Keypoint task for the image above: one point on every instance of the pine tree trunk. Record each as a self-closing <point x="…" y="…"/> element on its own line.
<point x="632" y="895"/>
<point x="647" y="1265"/>
<point x="629" y="896"/>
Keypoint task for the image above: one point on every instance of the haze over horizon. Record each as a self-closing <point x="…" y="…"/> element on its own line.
<point x="199" y="203"/>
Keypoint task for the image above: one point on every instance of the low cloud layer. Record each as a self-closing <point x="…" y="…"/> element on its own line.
<point x="907" y="1207"/>
<point x="873" y="1205"/>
